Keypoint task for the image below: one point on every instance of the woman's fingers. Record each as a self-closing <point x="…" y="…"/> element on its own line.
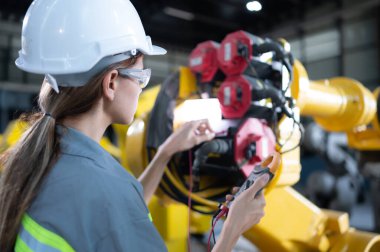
<point x="261" y="199"/>
<point x="229" y="197"/>
<point x="257" y="186"/>
<point x="235" y="189"/>
<point x="202" y="126"/>
<point x="205" y="137"/>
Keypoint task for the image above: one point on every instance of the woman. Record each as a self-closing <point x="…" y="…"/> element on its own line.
<point x="60" y="191"/>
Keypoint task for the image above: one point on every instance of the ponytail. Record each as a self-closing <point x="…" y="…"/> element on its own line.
<point x="26" y="164"/>
<point x="31" y="159"/>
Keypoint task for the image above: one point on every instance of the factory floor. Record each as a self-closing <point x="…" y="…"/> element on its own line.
<point x="361" y="218"/>
<point x="243" y="245"/>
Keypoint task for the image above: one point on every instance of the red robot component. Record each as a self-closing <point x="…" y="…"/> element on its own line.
<point x="203" y="60"/>
<point x="236" y="51"/>
<point x="253" y="142"/>
<point x="235" y="96"/>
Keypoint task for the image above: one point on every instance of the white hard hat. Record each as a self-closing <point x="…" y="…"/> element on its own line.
<point x="69" y="36"/>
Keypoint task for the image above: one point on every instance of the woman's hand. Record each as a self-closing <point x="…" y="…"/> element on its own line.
<point x="246" y="210"/>
<point x="187" y="136"/>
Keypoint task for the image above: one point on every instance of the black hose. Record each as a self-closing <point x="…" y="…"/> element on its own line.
<point x="280" y="54"/>
<point x="274" y="94"/>
<point x="217" y="146"/>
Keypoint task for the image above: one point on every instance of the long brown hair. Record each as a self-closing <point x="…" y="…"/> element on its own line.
<point x="26" y="164"/>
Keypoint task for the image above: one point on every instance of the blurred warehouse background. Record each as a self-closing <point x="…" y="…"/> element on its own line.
<point x="330" y="37"/>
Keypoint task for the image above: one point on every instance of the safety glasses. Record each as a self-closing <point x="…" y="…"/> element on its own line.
<point x="141" y="75"/>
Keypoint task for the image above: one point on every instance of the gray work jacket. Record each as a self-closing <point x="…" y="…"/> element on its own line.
<point x="92" y="202"/>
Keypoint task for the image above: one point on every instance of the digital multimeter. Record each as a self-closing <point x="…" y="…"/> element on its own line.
<point x="268" y="166"/>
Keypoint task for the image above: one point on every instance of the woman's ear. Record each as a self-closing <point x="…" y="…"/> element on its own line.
<point x="110" y="84"/>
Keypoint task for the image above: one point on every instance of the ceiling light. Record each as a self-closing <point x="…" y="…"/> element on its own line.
<point x="179" y="13"/>
<point x="254" y="6"/>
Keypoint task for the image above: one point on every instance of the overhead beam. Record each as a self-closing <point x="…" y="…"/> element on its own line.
<point x="291" y="28"/>
<point x="212" y="21"/>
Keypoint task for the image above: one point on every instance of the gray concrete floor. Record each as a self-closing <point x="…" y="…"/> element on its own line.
<point x="361" y="217"/>
<point x="243" y="245"/>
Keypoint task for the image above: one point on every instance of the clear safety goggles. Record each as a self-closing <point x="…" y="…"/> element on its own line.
<point x="141" y="75"/>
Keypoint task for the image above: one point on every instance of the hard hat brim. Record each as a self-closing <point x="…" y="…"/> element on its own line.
<point x="157" y="51"/>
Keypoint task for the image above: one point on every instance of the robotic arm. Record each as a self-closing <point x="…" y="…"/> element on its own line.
<point x="260" y="92"/>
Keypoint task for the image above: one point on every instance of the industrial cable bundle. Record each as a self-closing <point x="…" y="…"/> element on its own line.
<point x="245" y="73"/>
